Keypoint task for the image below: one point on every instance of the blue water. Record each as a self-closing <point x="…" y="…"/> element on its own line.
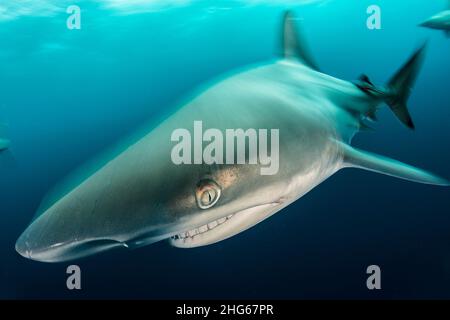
<point x="68" y="95"/>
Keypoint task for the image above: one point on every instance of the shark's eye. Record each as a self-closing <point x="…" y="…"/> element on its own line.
<point x="207" y="193"/>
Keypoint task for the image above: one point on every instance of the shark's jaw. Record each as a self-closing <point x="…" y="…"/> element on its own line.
<point x="224" y="227"/>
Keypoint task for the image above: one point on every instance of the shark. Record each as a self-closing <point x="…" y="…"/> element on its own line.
<point x="140" y="196"/>
<point x="440" y="21"/>
<point x="4" y="144"/>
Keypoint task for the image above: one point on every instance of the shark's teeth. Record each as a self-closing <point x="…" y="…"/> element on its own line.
<point x="212" y="225"/>
<point x="189" y="235"/>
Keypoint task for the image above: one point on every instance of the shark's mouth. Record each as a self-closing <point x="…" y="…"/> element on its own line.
<point x="188" y="236"/>
<point x="224" y="227"/>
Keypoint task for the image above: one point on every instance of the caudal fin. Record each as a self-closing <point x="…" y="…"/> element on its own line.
<point x="400" y="85"/>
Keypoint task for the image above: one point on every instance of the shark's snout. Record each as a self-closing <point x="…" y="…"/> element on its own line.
<point x="55" y="237"/>
<point x="23" y="248"/>
<point x="36" y="242"/>
<point x="427" y="23"/>
<point x="33" y="243"/>
<point x="31" y="247"/>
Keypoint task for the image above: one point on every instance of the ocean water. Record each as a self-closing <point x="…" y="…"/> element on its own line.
<point x="68" y="95"/>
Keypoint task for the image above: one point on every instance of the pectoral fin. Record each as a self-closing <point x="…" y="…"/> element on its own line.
<point x="354" y="158"/>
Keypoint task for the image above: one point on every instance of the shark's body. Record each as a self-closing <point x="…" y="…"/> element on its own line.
<point x="141" y="196"/>
<point x="440" y="21"/>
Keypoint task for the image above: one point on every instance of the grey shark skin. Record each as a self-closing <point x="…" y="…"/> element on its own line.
<point x="140" y="196"/>
<point x="440" y="21"/>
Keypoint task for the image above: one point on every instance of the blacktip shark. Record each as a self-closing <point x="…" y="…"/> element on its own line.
<point x="141" y="196"/>
<point x="440" y="21"/>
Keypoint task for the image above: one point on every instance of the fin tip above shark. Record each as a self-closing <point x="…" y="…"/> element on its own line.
<point x="439" y="21"/>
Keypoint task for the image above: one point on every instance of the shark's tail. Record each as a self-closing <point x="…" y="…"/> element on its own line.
<point x="399" y="87"/>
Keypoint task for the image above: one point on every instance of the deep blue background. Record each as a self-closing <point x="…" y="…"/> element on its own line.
<point x="67" y="95"/>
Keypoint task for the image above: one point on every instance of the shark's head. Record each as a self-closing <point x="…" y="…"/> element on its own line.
<point x="193" y="206"/>
<point x="140" y="196"/>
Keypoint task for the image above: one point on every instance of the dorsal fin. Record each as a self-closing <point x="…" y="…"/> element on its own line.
<point x="292" y="43"/>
